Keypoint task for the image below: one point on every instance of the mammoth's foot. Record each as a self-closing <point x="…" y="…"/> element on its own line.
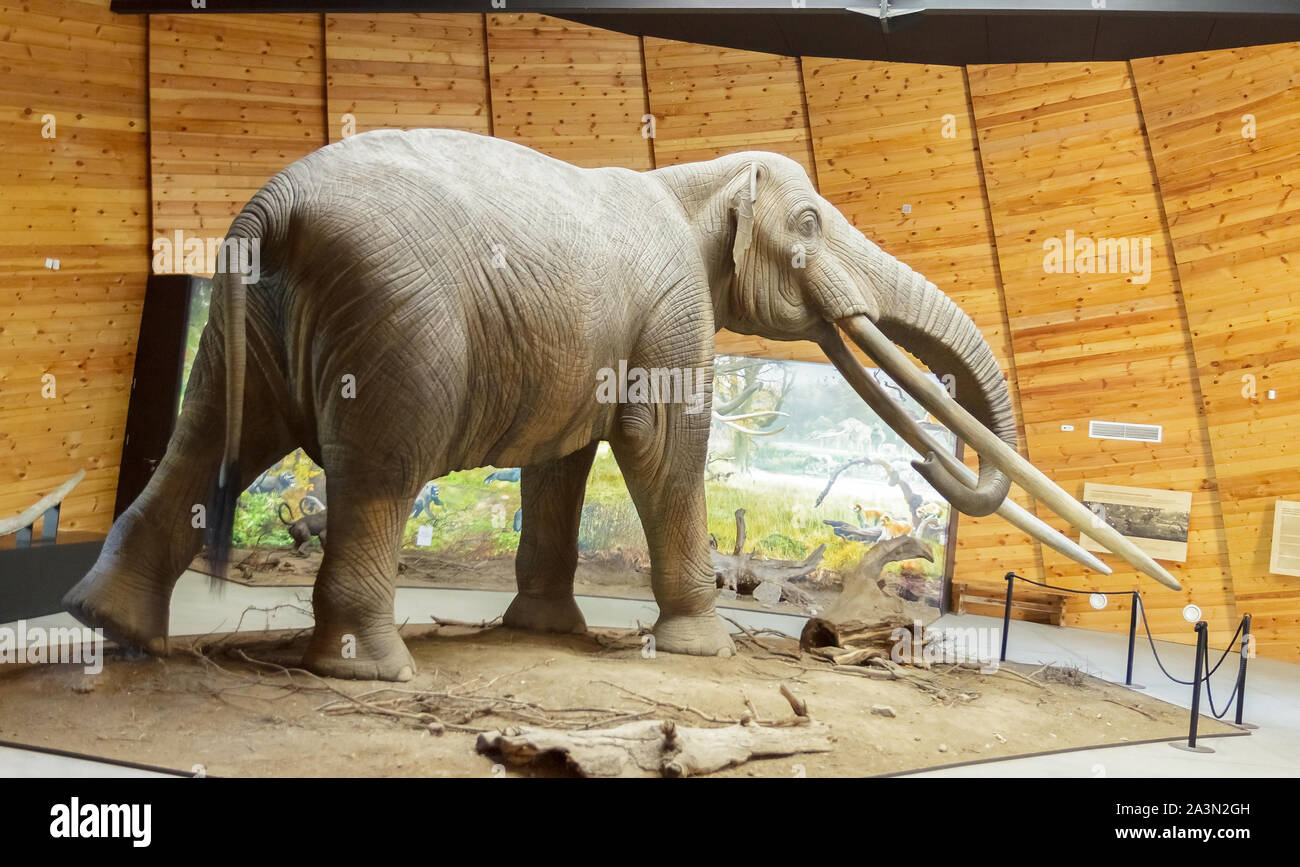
<point x="545" y="614"/>
<point x="132" y="612"/>
<point x="372" y="654"/>
<point x="693" y="634"/>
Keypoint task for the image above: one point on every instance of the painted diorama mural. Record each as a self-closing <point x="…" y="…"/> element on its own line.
<point x="802" y="481"/>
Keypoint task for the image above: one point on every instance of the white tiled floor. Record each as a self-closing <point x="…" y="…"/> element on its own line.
<point x="1273" y="694"/>
<point x="16" y="762"/>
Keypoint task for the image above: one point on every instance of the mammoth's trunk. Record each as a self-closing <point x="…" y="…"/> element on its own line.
<point x="918" y="317"/>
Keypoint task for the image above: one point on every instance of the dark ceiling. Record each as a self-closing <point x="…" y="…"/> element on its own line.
<point x="959" y="38"/>
<point x="946" y="31"/>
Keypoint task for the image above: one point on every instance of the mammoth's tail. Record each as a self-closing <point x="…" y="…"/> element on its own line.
<point x="226" y="490"/>
<point x="254" y="226"/>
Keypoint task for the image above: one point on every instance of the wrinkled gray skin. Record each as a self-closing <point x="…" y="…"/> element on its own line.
<point x="380" y="260"/>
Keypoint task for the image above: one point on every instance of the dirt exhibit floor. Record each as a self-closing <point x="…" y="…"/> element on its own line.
<point x="234" y="706"/>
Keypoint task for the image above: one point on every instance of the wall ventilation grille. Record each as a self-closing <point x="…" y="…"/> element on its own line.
<point x="1118" y="430"/>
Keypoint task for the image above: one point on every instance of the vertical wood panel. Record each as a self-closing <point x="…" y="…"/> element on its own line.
<point x="709" y="101"/>
<point x="568" y="90"/>
<point x="233" y="99"/>
<point x="81" y="197"/>
<point x="1235" y="225"/>
<point x="407" y="71"/>
<point x="888" y="135"/>
<point x="1063" y="151"/>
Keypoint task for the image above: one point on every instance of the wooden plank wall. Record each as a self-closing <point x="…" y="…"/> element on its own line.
<point x="568" y="90"/>
<point x="233" y="99"/>
<point x="1229" y="196"/>
<point x="888" y="135"/>
<point x="992" y="162"/>
<point x="709" y="101"/>
<point x="82" y="197"/>
<point x="406" y="71"/>
<point x="1063" y="152"/>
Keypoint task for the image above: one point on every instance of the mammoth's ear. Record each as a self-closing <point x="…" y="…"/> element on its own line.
<point x="744" y="208"/>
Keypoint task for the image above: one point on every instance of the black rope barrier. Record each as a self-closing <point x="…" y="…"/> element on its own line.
<point x="1147" y="627"/>
<point x="1209" y="694"/>
<point x="1011" y="578"/>
<point x="1203" y="670"/>
<point x="1246" y="652"/>
<point x="1202" y="654"/>
<point x="1069" y="590"/>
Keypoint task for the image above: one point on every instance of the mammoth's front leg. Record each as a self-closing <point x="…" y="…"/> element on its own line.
<point x="661" y="449"/>
<point x="355" y="636"/>
<point x="552" y="495"/>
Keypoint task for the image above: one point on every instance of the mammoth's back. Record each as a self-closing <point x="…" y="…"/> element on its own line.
<point x="450" y="168"/>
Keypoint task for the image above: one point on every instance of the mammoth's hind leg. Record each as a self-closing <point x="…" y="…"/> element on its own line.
<point x="552" y="495"/>
<point x="355" y="635"/>
<point x="128" y="591"/>
<point x="661" y="450"/>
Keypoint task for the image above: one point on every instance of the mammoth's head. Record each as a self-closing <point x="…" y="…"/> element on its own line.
<point x="785" y="264"/>
<point x="789" y="266"/>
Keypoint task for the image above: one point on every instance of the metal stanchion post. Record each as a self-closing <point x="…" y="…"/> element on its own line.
<point x="1202" y="660"/>
<point x="1132" y="637"/>
<point x="1006" y="613"/>
<point x="1241" y="672"/>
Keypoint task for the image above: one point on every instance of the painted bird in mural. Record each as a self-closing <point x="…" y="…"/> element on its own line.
<point x="863" y="532"/>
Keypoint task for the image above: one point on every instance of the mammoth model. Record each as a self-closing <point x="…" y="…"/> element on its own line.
<point x="432" y="300"/>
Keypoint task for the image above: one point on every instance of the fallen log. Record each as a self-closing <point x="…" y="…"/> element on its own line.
<point x="652" y="747"/>
<point x="745" y="573"/>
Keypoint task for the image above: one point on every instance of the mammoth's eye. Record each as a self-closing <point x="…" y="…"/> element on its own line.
<point x="809" y="223"/>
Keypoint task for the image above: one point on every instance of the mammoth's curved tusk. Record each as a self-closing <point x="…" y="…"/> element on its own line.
<point x="890" y="412"/>
<point x="34" y="511"/>
<point x="873" y="342"/>
<point x="1021" y="518"/>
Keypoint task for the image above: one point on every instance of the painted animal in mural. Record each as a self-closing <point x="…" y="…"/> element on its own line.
<point x="426" y="500"/>
<point x="266" y="483"/>
<point x="313" y="522"/>
<point x="433" y="300"/>
<point x="510" y="476"/>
